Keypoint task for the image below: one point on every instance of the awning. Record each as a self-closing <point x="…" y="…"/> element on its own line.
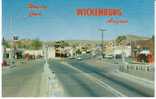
<point x="145" y="52"/>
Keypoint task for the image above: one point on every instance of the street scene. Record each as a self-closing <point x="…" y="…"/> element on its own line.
<point x="63" y="49"/>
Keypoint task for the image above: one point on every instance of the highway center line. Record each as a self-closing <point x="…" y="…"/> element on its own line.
<point x="99" y="82"/>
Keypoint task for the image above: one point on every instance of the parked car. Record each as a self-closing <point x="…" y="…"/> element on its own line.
<point x="79" y="58"/>
<point x="71" y="57"/>
<point x="118" y="56"/>
<point x="109" y="56"/>
<point x="4" y="63"/>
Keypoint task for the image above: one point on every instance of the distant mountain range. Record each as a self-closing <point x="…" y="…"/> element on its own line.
<point x="136" y="37"/>
<point x="75" y="42"/>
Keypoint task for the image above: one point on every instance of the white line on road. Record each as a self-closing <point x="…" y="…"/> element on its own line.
<point x="99" y="82"/>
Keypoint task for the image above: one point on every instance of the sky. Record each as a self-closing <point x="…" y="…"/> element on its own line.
<point x="60" y="22"/>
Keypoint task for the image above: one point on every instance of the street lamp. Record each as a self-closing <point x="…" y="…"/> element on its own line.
<point x="102" y="31"/>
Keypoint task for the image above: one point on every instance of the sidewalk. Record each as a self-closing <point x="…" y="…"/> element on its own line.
<point x="22" y="80"/>
<point x="6" y="69"/>
<point x="103" y="64"/>
<point x="144" y="85"/>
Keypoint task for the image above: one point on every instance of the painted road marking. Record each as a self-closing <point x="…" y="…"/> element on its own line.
<point x="99" y="82"/>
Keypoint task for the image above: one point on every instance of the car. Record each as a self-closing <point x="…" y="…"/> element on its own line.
<point x="71" y="57"/>
<point x="4" y="63"/>
<point x="79" y="58"/>
<point x="118" y="56"/>
<point x="109" y="56"/>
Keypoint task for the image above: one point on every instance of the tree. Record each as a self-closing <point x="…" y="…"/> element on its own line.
<point x="36" y="44"/>
<point x="120" y="39"/>
<point x="78" y="51"/>
<point x="64" y="44"/>
<point x="6" y="44"/>
<point x="19" y="44"/>
<point x="61" y="44"/>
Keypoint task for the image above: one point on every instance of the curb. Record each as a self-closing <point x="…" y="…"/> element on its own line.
<point x="50" y="85"/>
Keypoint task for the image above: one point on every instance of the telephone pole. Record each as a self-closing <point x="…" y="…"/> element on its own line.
<point x="102" y="47"/>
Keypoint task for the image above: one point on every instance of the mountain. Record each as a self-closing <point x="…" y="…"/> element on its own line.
<point x="136" y="37"/>
<point x="129" y="37"/>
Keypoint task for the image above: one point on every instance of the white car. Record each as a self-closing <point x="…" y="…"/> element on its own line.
<point x="109" y="56"/>
<point x="79" y="58"/>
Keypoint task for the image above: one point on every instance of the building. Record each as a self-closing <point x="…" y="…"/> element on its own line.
<point x="34" y="53"/>
<point x="9" y="53"/>
<point x="139" y="48"/>
<point x="140" y="45"/>
<point x="119" y="50"/>
<point x="64" y="51"/>
<point x="51" y="52"/>
<point x="111" y="48"/>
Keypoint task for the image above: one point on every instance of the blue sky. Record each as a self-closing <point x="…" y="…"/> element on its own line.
<point x="59" y="21"/>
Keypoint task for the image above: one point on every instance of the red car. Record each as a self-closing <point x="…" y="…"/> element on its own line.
<point x="4" y="63"/>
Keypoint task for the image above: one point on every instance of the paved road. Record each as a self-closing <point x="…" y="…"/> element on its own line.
<point x="77" y="78"/>
<point x="75" y="83"/>
<point x="80" y="79"/>
<point x="22" y="80"/>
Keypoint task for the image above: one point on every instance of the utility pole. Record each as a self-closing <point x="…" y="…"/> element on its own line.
<point x="123" y="55"/>
<point x="13" y="43"/>
<point x="114" y="44"/>
<point x="102" y="47"/>
<point x="14" y="39"/>
<point x="45" y="49"/>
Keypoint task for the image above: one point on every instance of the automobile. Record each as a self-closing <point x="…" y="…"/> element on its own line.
<point x="109" y="56"/>
<point x="118" y="56"/>
<point x="4" y="63"/>
<point x="83" y="52"/>
<point x="79" y="58"/>
<point x="71" y="57"/>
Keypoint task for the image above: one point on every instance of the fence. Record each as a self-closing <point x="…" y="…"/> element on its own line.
<point x="137" y="67"/>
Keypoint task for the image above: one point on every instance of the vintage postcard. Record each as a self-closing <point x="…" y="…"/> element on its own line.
<point x="78" y="48"/>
